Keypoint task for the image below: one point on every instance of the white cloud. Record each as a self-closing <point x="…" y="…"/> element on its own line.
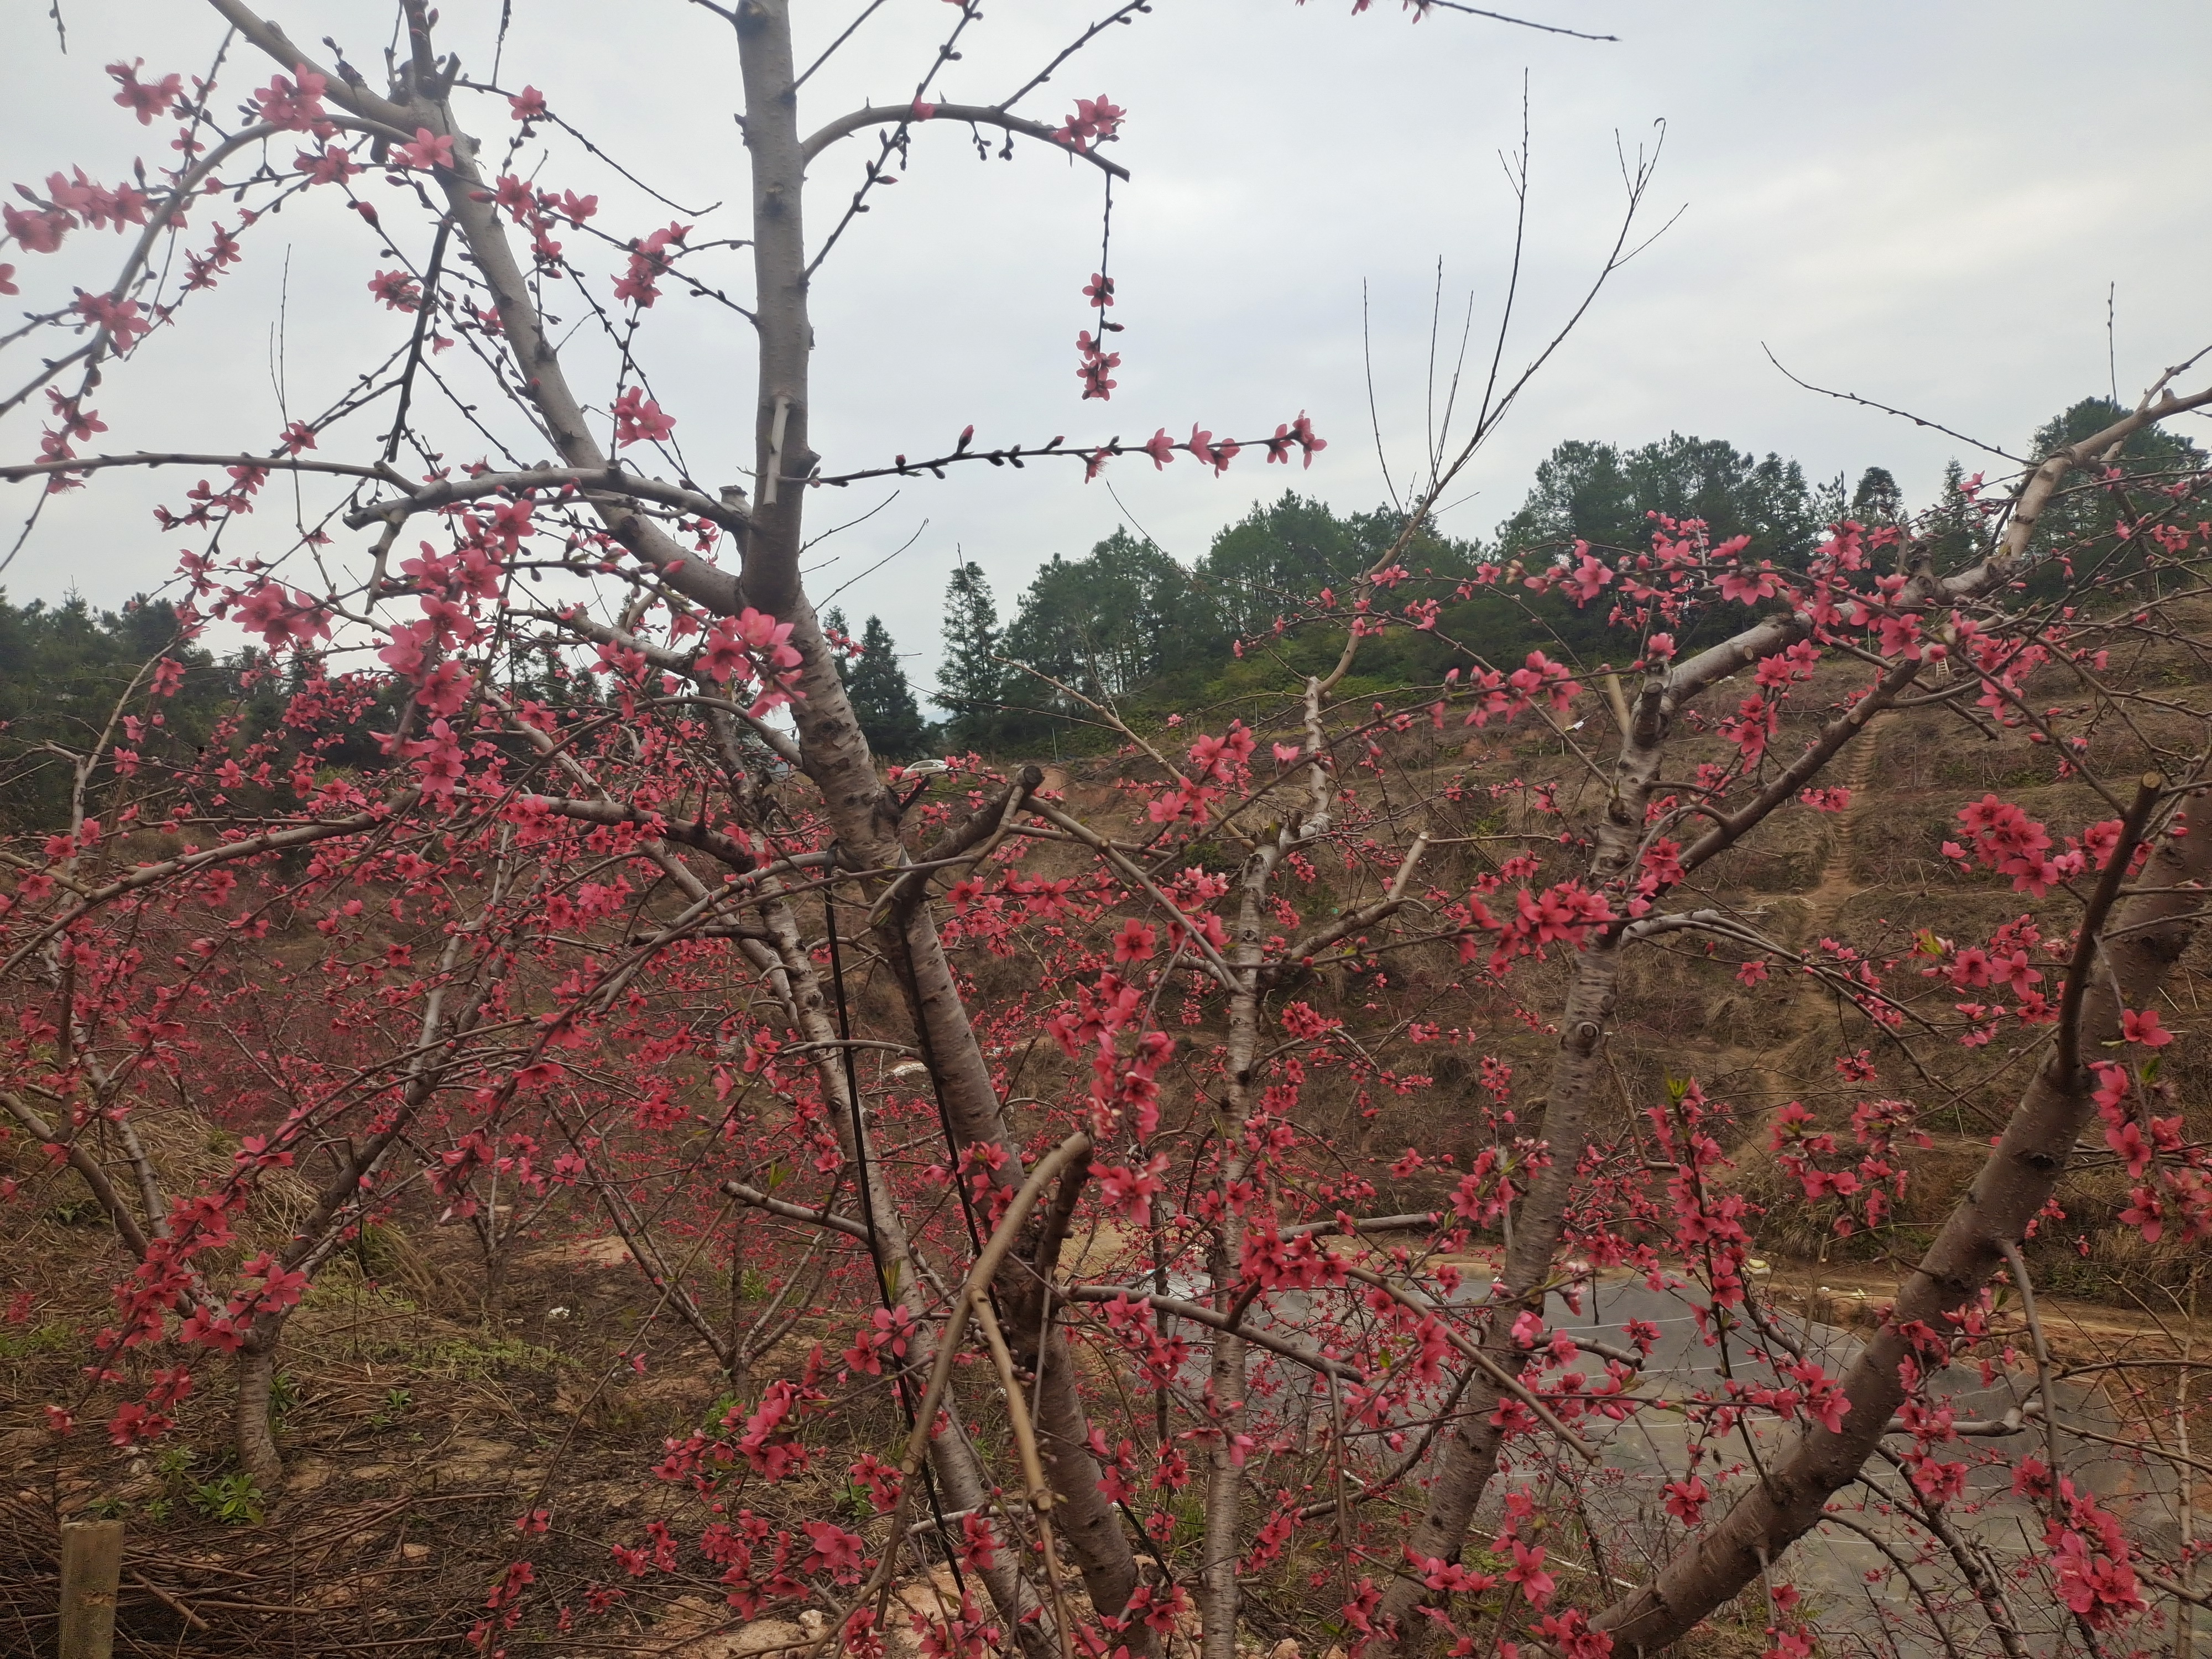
<point x="1924" y="203"/>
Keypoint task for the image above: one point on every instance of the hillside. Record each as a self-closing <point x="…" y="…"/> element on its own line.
<point x="1871" y="877"/>
<point x="417" y="1419"/>
<point x="612" y="1257"/>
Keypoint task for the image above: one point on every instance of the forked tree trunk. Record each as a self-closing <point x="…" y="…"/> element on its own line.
<point x="838" y="757"/>
<point x="2148" y="936"/>
<point x="1471" y="1454"/>
<point x="961" y="1479"/>
<point x="1096" y="1540"/>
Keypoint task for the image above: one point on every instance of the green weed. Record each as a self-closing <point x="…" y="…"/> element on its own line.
<point x="38" y="1338"/>
<point x="232" y="1500"/>
<point x="283" y="1396"/>
<point x="482" y="1356"/>
<point x="396" y="1403"/>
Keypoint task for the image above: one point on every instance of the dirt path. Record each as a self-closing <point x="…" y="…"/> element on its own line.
<point x="2080" y="1333"/>
<point x="1836" y="886"/>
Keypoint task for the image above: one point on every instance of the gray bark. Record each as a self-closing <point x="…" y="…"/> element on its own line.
<point x="2150" y="932"/>
<point x="1225" y="1474"/>
<point x="1471" y="1454"/>
<point x="252" y="1435"/>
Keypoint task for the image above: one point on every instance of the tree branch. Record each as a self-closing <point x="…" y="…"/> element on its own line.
<point x="984" y="115"/>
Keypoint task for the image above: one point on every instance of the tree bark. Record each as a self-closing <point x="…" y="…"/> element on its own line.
<point x="961" y="1480"/>
<point x="252" y="1435"/>
<point x="1471" y="1451"/>
<point x="1096" y="1540"/>
<point x="836" y="754"/>
<point x="1471" y="1454"/>
<point x="1228" y="1377"/>
<point x="2150" y="931"/>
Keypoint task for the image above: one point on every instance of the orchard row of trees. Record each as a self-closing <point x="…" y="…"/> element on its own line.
<point x="1036" y="1108"/>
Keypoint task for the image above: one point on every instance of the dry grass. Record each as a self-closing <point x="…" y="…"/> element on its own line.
<point x="413" y="1435"/>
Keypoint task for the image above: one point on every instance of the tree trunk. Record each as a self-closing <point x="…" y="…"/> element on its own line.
<point x="252" y="1437"/>
<point x="1471" y="1454"/>
<point x="1097" y="1541"/>
<point x="952" y="1459"/>
<point x="836" y="753"/>
<point x="1226" y="1384"/>
<point x="2150" y="931"/>
<point x="495" y="1283"/>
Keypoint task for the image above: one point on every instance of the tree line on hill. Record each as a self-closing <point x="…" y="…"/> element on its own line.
<point x="1127" y="624"/>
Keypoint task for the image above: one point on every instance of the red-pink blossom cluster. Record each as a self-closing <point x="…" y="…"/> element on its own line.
<point x="1096" y="121"/>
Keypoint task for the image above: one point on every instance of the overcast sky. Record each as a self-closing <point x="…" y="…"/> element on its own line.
<point x="1924" y="201"/>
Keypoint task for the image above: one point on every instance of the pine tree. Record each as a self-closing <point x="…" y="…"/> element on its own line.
<point x="882" y="700"/>
<point x="1598" y="492"/>
<point x="970" y="682"/>
<point x="1953" y="528"/>
<point x="1106" y="623"/>
<point x="834" y="629"/>
<point x="1878" y="501"/>
<point x="2079" y="521"/>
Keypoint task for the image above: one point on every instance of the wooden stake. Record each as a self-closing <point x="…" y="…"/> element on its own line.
<point x="2184" y="1615"/>
<point x="92" y="1564"/>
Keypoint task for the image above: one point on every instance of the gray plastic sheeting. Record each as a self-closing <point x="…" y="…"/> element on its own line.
<point x="1854" y="1589"/>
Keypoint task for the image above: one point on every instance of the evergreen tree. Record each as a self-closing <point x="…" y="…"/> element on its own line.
<point x="1582" y="490"/>
<point x="1878" y="501"/>
<point x="838" y="632"/>
<point x="1954" y="529"/>
<point x="2079" y="518"/>
<point x="882" y="700"/>
<point x="971" y="684"/>
<point x="1599" y="494"/>
<point x="1276" y="558"/>
<point x="1105" y="625"/>
<point x="61" y="670"/>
